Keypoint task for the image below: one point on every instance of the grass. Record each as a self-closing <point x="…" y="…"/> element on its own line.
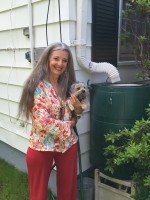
<point x="14" y="183"/>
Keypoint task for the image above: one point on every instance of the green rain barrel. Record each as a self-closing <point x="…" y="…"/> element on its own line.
<point x="114" y="107"/>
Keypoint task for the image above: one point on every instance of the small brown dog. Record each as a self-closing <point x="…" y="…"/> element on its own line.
<point x="79" y="90"/>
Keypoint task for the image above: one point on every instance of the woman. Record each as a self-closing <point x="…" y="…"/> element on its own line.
<point x="52" y="137"/>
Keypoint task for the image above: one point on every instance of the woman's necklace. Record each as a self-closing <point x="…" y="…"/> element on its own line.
<point x="56" y="89"/>
<point x="61" y="101"/>
<point x="55" y="86"/>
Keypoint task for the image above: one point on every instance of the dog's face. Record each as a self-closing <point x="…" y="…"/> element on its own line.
<point x="79" y="90"/>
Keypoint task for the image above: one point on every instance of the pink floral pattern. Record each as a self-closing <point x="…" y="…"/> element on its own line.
<point x="50" y="132"/>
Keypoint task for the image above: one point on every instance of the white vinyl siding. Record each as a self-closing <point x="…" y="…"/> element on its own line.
<point x="14" y="68"/>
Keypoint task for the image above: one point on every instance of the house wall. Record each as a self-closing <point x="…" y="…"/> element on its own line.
<point x="14" y="68"/>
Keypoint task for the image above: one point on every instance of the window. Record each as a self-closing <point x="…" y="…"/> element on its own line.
<point x="108" y="25"/>
<point x="124" y="52"/>
<point x="130" y="28"/>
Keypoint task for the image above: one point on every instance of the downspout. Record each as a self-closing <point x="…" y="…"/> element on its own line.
<point x="102" y="67"/>
<point x="31" y="33"/>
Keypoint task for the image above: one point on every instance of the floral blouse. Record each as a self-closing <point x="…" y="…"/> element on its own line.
<point x="51" y="121"/>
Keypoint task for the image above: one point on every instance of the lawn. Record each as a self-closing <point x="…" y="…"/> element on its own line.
<point x="14" y="184"/>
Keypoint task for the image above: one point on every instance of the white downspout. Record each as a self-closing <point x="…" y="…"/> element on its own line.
<point x="31" y="33"/>
<point x="102" y="67"/>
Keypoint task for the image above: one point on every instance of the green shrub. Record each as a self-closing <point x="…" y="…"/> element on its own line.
<point x="132" y="146"/>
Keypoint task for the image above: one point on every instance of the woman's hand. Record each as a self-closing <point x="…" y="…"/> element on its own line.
<point x="73" y="121"/>
<point x="76" y="104"/>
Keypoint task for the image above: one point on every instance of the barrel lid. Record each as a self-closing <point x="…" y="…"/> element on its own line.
<point x="126" y="84"/>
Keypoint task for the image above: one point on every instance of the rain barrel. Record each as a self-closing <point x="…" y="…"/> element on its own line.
<point x="114" y="107"/>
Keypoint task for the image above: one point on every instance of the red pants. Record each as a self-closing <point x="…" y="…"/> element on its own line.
<point x="39" y="166"/>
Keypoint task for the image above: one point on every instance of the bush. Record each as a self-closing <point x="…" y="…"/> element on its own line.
<point x="132" y="146"/>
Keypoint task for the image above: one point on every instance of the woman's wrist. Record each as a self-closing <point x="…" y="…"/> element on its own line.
<point x="78" y="113"/>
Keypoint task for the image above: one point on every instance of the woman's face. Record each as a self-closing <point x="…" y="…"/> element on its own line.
<point x="58" y="61"/>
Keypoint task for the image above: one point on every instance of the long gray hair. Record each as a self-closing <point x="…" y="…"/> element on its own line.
<point x="42" y="72"/>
